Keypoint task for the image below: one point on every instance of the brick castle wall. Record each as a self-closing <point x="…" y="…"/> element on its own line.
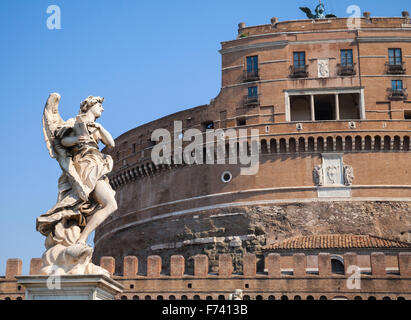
<point x="276" y="282"/>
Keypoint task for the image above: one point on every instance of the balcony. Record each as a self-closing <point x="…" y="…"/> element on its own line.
<point x="397" y="94"/>
<point x="299" y="72"/>
<point x="252" y="101"/>
<point x="250" y="76"/>
<point x="398" y="68"/>
<point x="346" y="69"/>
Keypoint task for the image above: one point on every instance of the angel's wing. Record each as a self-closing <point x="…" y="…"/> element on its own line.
<point x="308" y="12"/>
<point x="51" y="121"/>
<point x="54" y="125"/>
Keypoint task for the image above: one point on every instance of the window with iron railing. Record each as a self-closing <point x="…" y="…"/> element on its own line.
<point x="252" y="92"/>
<point x="299" y="67"/>
<point x="251" y="73"/>
<point x="397" y="90"/>
<point x="346" y="58"/>
<point x="252" y="97"/>
<point x="395" y="63"/>
<point x="395" y="56"/>
<point x="299" y="59"/>
<point x="346" y="67"/>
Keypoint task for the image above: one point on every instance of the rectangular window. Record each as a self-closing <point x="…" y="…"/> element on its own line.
<point x="241" y="122"/>
<point x="252" y="64"/>
<point x="346" y="58"/>
<point x="299" y="59"/>
<point x="208" y="125"/>
<point x="252" y="92"/>
<point x="395" y="56"/>
<point x="396" y="85"/>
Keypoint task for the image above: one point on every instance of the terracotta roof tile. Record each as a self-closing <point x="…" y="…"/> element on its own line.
<point x="343" y="241"/>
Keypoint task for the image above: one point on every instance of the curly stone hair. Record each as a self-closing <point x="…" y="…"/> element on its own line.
<point x="89" y="102"/>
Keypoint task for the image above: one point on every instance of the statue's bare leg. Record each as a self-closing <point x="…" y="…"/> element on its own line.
<point x="104" y="195"/>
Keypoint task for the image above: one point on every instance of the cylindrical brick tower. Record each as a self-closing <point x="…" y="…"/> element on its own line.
<point x="329" y="100"/>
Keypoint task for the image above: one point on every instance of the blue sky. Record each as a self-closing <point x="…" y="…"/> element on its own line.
<point x="147" y="58"/>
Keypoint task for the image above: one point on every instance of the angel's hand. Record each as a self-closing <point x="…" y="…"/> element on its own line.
<point x="95" y="125"/>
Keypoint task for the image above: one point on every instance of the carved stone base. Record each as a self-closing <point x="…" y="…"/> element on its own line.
<point x="334" y="192"/>
<point x="72" y="287"/>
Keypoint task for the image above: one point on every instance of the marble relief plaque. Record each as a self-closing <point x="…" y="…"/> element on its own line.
<point x="333" y="170"/>
<point x="333" y="177"/>
<point x="323" y="68"/>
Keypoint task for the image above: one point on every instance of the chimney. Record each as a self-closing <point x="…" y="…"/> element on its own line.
<point x="406" y="16"/>
<point x="241" y="26"/>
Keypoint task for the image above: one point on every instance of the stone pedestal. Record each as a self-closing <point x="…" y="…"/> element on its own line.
<point x="76" y="287"/>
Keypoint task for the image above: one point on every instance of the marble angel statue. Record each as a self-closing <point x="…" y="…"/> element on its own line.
<point x="85" y="197"/>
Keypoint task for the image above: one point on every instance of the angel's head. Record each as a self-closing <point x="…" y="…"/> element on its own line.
<point x="93" y="105"/>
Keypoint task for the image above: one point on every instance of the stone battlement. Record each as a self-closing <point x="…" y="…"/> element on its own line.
<point x="274" y="283"/>
<point x="309" y="25"/>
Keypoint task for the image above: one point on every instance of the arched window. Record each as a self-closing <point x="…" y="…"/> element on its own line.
<point x="406" y="144"/>
<point x="259" y="297"/>
<point x="184" y="297"/>
<point x="273" y="146"/>
<point x="377" y="143"/>
<point x="387" y="143"/>
<point x="310" y="298"/>
<point x="339" y="144"/>
<point x="221" y="297"/>
<point x="196" y="297"/>
<point x="337" y="265"/>
<point x="283" y="146"/>
<point x="264" y="148"/>
<point x="301" y="145"/>
<point x="171" y="297"/>
<point x="397" y="143"/>
<point x="292" y="144"/>
<point x="147" y="297"/>
<point x="310" y="144"/>
<point x="271" y="297"/>
<point x="348" y="143"/>
<point x="330" y="144"/>
<point x="246" y="298"/>
<point x="297" y="298"/>
<point x="367" y="143"/>
<point x="323" y="298"/>
<point x="160" y="298"/>
<point x="136" y="298"/>
<point x="123" y="297"/>
<point x="358" y="143"/>
<point x="372" y="298"/>
<point x="284" y="297"/>
<point x="320" y="144"/>
<point x="209" y="298"/>
<point x="357" y="298"/>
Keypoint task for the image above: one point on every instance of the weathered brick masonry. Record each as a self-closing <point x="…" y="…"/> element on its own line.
<point x="327" y="110"/>
<point x="275" y="283"/>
